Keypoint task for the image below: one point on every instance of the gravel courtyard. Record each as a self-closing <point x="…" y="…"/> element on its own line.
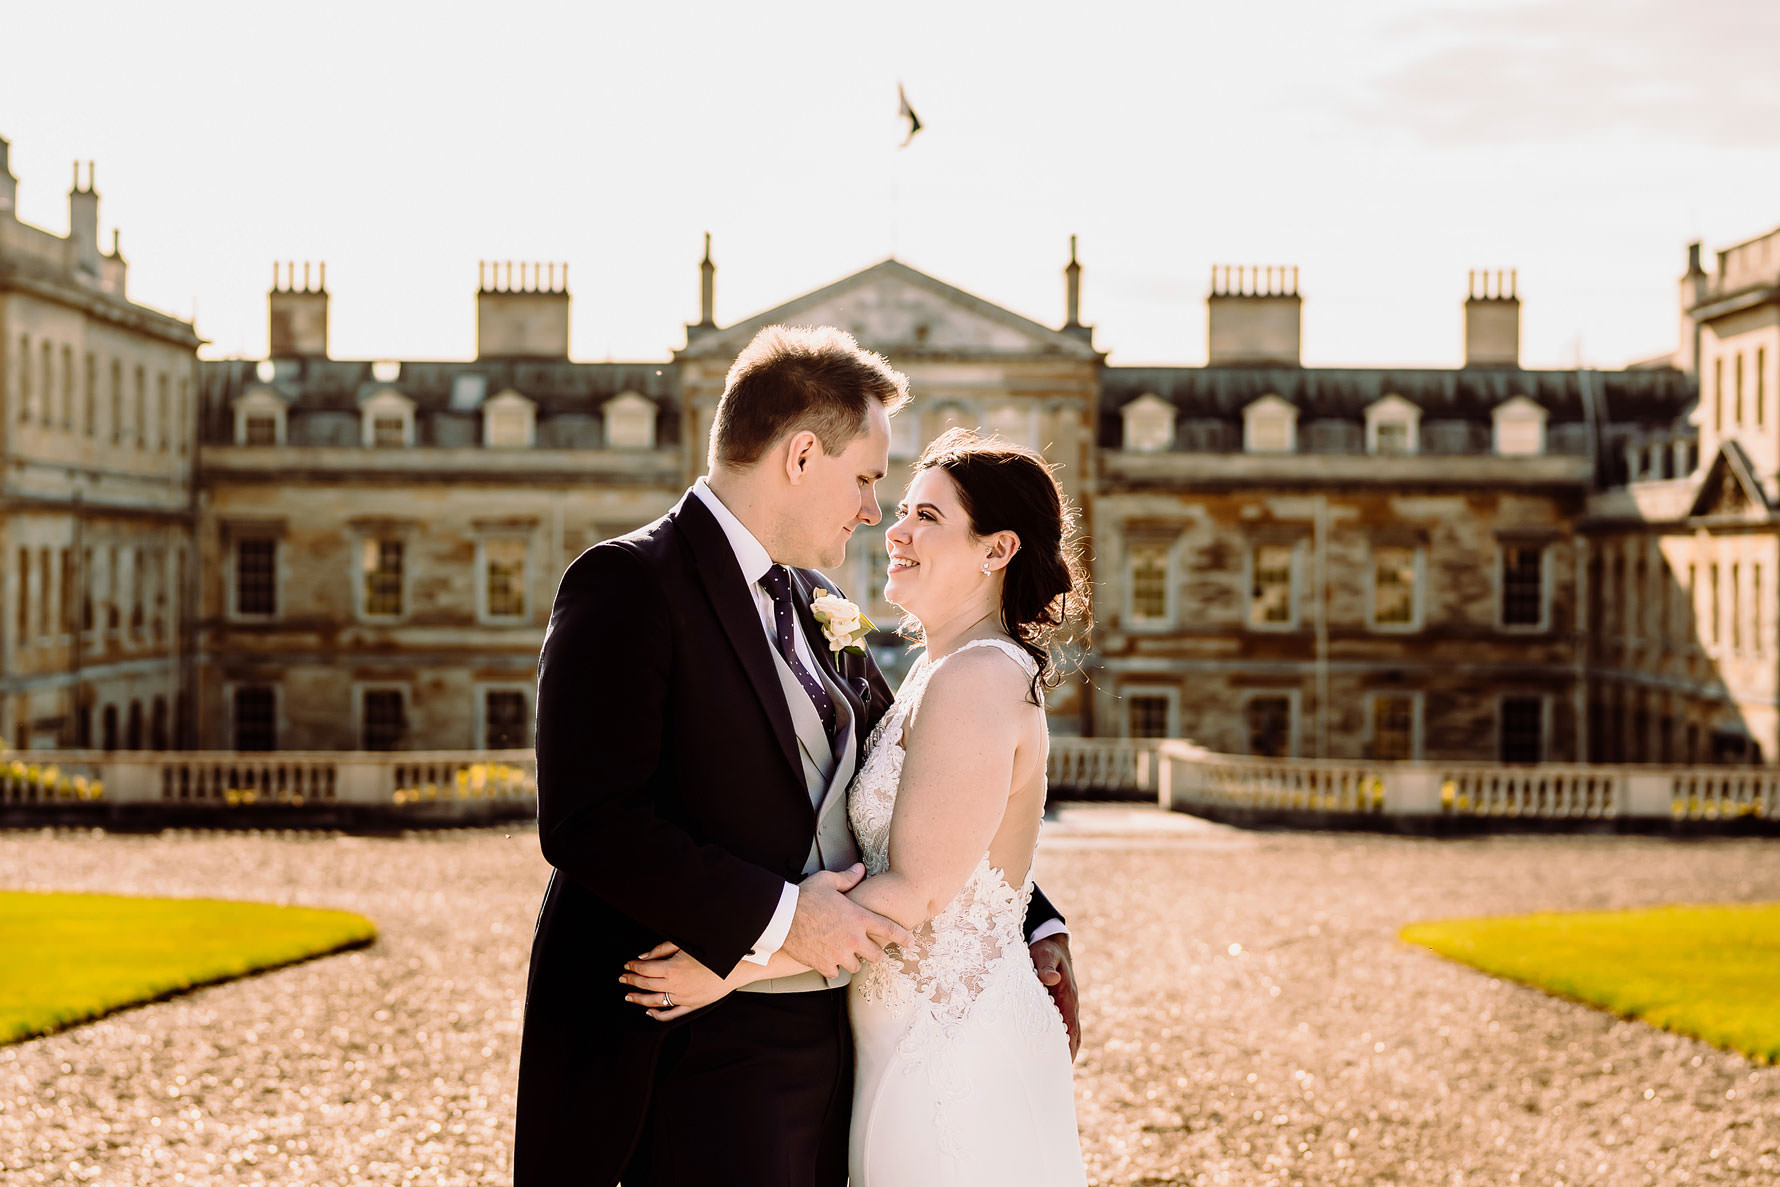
<point x="1250" y="1016"/>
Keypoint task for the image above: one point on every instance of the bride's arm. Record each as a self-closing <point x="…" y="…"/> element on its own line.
<point x="692" y="986"/>
<point x="956" y="778"/>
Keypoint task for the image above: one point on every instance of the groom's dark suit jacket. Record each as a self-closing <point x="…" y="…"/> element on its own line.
<point x="671" y="804"/>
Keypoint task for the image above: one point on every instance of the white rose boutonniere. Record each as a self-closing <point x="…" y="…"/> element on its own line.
<point x="842" y="622"/>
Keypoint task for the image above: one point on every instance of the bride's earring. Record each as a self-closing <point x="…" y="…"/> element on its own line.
<point x="986" y="567"/>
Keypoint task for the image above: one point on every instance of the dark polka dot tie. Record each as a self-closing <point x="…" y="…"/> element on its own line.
<point x="777" y="584"/>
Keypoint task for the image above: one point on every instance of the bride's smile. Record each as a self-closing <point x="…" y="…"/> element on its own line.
<point x="937" y="564"/>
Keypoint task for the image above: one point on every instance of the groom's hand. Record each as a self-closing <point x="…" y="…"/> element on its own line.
<point x="1050" y="956"/>
<point x="829" y="932"/>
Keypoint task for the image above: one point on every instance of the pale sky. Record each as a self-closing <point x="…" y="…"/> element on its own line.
<point x="1384" y="147"/>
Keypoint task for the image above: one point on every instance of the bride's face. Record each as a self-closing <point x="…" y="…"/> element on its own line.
<point x="935" y="559"/>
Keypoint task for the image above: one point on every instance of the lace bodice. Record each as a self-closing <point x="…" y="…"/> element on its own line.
<point x="955" y="952"/>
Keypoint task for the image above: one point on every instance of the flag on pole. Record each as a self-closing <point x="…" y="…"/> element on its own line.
<point x="904" y="111"/>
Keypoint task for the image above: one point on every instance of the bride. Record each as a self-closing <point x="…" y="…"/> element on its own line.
<point x="962" y="1071"/>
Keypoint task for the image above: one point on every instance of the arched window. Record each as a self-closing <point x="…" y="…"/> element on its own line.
<point x="157" y="729"/>
<point x="108" y="728"/>
<point x="133" y="733"/>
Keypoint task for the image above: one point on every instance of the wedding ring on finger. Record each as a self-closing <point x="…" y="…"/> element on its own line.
<point x="667" y="1001"/>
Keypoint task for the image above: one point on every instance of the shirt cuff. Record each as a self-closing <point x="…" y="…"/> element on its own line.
<point x="1047" y="929"/>
<point x="773" y="938"/>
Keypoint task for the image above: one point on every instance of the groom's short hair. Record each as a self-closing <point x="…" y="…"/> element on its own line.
<point x="792" y="378"/>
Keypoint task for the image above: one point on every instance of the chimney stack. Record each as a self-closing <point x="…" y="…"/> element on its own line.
<point x="1072" y="290"/>
<point x="9" y="185"/>
<point x="1492" y="320"/>
<point x="522" y="310"/>
<point x="83" y="224"/>
<point x="298" y="312"/>
<point x="1694" y="286"/>
<point x="1255" y="316"/>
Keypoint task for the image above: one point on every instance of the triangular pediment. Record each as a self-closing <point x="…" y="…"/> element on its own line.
<point x="899" y="311"/>
<point x="1729" y="489"/>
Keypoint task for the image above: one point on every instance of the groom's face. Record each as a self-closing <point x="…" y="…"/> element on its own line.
<point x="838" y="493"/>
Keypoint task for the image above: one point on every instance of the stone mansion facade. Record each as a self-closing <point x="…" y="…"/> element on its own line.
<point x="1483" y="562"/>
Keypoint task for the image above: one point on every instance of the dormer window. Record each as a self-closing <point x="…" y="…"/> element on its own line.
<point x="630" y="422"/>
<point x="1393" y="425"/>
<point x="1149" y="424"/>
<point x="1270" y="425"/>
<point x="259" y="417"/>
<point x="1519" y="428"/>
<point x="388" y="419"/>
<point x="509" y="421"/>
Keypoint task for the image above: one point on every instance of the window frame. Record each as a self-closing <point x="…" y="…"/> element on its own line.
<point x="1417" y="593"/>
<point x="1295" y="596"/>
<point x="1546" y="577"/>
<point x="484" y="605"/>
<point x="232" y="711"/>
<point x="1149" y="409"/>
<point x="361" y="576"/>
<point x="1168" y="694"/>
<point x="1294" y="725"/>
<point x="1416" y="724"/>
<point x="1270" y="409"/>
<point x="1519" y="412"/>
<point x="1543" y="701"/>
<point x="1169" y="547"/>
<point x="386" y="404"/>
<point x="361" y="697"/>
<point x="525" y="691"/>
<point x="234" y="576"/>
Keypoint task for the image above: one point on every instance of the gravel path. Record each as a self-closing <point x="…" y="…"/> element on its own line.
<point x="1251" y="1018"/>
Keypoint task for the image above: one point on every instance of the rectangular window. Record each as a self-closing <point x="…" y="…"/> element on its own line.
<point x="1713" y="592"/>
<point x="67" y="599"/>
<point x="89" y="397"/>
<point x="1393" y="586"/>
<point x="67" y="387"/>
<point x="1392" y="436"/>
<point x="1149" y="582"/>
<point x="46" y="410"/>
<point x="86" y="589"/>
<point x="24" y="605"/>
<point x="503" y="561"/>
<point x="1522" y="730"/>
<point x="383" y="577"/>
<point x="114" y="590"/>
<point x="1270" y="592"/>
<point x="1269" y="726"/>
<point x="1149" y="717"/>
<point x="1270" y="434"/>
<point x="1736" y="607"/>
<point x="1761" y="386"/>
<point x="1718" y="394"/>
<point x="1737" y="402"/>
<point x="45" y="617"/>
<point x="1393" y="726"/>
<point x="503" y="719"/>
<point x="138" y="617"/>
<point x="117" y="402"/>
<point x="160" y="421"/>
<point x="1523" y="585"/>
<point x="256" y="725"/>
<point x="389" y="432"/>
<point x="1756" y="643"/>
<point x="386" y="722"/>
<point x="256" y="575"/>
<point x="139" y="407"/>
<point x="259" y="429"/>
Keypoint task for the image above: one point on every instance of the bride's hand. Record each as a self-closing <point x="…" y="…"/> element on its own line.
<point x="664" y="969"/>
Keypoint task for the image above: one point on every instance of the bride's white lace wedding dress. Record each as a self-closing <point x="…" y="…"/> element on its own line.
<point x="963" y="1075"/>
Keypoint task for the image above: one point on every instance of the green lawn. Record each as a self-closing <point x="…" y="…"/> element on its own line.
<point x="70" y="958"/>
<point x="1712" y="972"/>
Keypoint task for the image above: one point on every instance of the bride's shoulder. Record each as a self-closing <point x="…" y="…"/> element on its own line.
<point x="986" y="670"/>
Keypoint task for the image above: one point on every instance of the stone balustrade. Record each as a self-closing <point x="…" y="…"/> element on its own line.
<point x="396" y="788"/>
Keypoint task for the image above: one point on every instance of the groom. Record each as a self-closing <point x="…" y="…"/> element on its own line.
<point x="695" y="740"/>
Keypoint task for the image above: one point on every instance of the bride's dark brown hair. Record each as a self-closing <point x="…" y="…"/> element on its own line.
<point x="1008" y="488"/>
